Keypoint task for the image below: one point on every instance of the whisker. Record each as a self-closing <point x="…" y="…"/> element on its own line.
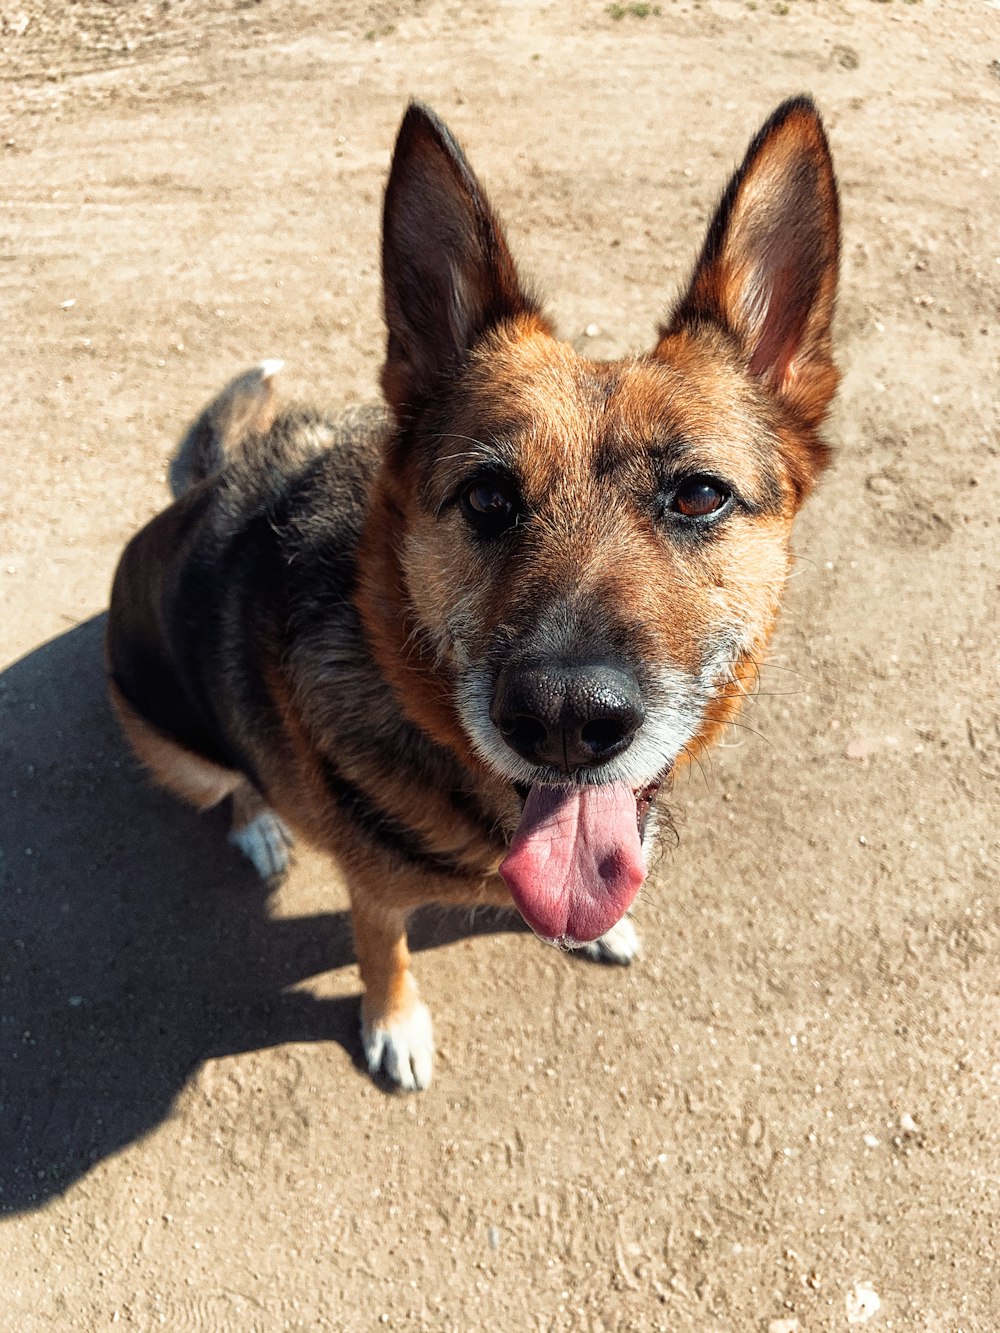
<point x="695" y="758"/>
<point x="457" y="435"/>
<point x="743" y="726"/>
<point x="798" y="559"/>
<point x="776" y="666"/>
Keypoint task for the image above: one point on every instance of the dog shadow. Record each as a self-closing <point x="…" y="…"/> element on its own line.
<point x="134" y="942"/>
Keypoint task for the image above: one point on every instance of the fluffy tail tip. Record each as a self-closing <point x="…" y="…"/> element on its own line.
<point x="244" y="407"/>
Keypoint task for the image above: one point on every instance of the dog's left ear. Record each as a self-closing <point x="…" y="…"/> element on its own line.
<point x="447" y="272"/>
<point x="768" y="271"/>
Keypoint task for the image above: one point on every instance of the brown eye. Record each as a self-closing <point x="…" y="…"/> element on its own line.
<point x="699" y="497"/>
<point x="486" y="498"/>
<point x="491" y="505"/>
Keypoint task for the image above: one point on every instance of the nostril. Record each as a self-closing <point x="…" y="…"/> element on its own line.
<point x="525" y="734"/>
<point x="604" y="733"/>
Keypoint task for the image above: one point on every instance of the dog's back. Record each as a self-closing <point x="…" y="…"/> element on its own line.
<point x="202" y="596"/>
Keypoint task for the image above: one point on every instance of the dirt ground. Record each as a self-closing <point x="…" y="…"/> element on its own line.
<point x="786" y="1115"/>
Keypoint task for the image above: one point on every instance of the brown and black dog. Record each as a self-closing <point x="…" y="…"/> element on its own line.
<point x="461" y="645"/>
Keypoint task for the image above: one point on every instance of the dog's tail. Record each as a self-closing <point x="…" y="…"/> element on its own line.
<point x="245" y="407"/>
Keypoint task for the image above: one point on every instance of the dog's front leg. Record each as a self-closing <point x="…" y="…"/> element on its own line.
<point x="396" y="1029"/>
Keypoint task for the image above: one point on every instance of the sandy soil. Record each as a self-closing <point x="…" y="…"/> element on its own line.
<point x="793" y="1099"/>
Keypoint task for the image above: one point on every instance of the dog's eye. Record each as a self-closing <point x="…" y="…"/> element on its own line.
<point x="490" y="505"/>
<point x="700" y="497"/>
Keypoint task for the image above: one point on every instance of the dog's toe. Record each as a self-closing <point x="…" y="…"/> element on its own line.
<point x="618" y="945"/>
<point x="265" y="841"/>
<point x="401" y="1049"/>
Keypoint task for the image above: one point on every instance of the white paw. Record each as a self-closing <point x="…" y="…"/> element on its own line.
<point x="620" y="944"/>
<point x="264" y="841"/>
<point x="403" y="1051"/>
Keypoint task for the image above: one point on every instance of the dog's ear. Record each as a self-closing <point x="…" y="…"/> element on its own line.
<point x="768" y="271"/>
<point x="447" y="273"/>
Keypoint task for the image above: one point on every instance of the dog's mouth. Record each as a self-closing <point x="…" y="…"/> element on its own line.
<point x="576" y="860"/>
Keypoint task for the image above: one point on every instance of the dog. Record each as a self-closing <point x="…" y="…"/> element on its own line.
<point x="463" y="642"/>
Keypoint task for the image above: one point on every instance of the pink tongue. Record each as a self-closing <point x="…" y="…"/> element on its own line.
<point x="575" y="863"/>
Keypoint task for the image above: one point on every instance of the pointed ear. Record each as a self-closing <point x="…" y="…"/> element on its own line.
<point x="447" y="273"/>
<point x="768" y="271"/>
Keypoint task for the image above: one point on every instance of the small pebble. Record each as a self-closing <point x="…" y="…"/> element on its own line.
<point x="860" y="748"/>
<point x="862" y="1302"/>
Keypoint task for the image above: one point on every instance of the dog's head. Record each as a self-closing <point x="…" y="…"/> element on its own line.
<point x="583" y="560"/>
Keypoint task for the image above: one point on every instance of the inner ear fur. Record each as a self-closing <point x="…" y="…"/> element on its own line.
<point x="767" y="273"/>
<point x="448" y="275"/>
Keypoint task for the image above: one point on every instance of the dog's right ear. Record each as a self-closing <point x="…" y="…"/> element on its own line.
<point x="447" y="273"/>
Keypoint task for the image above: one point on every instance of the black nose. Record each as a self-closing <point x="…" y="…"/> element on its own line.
<point x="567" y="716"/>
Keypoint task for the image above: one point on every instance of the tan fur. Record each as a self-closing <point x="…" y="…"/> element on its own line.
<point x="248" y="805"/>
<point x="189" y="776"/>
